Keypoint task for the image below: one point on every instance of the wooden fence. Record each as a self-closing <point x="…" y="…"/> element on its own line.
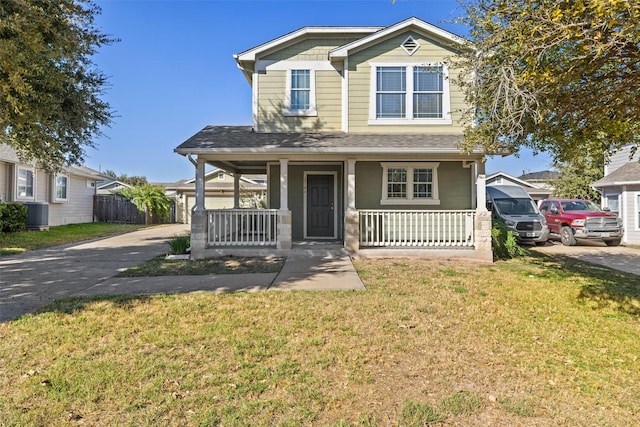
<point x="113" y="208"/>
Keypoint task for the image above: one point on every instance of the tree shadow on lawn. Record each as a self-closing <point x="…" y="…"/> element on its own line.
<point x="605" y="287"/>
<point x="70" y="305"/>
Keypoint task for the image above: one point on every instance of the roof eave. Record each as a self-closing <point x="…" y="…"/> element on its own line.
<point x="343" y="51"/>
<point x="252" y="54"/>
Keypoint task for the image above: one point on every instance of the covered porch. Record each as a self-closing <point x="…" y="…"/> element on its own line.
<point x="324" y="196"/>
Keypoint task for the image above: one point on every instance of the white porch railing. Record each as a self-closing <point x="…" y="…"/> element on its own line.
<point x="417" y="228"/>
<point x="242" y="227"/>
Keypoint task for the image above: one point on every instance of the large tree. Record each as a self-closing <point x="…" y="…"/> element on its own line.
<point x="559" y="76"/>
<point x="576" y="177"/>
<point x="50" y="90"/>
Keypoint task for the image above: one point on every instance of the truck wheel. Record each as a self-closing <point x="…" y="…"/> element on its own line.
<point x="566" y="236"/>
<point x="614" y="242"/>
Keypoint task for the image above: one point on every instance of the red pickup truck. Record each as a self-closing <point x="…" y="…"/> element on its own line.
<point x="571" y="219"/>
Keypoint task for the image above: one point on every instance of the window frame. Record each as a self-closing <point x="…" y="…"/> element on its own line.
<point x="33" y="183"/>
<point x="308" y="112"/>
<point x="410" y="199"/>
<point x="55" y="188"/>
<point x="409" y="118"/>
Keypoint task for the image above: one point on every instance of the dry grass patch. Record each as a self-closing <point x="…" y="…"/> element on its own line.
<point x="526" y="342"/>
<point x="162" y="266"/>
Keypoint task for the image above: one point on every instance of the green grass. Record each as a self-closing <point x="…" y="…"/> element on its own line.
<point x="162" y="266"/>
<point x="534" y="341"/>
<point x="13" y="243"/>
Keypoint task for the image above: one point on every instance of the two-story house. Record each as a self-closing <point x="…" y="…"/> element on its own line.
<point x="358" y="131"/>
<point x="620" y="189"/>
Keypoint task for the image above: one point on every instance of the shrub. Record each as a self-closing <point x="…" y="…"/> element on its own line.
<point x="13" y="217"/>
<point x="504" y="241"/>
<point x="180" y="244"/>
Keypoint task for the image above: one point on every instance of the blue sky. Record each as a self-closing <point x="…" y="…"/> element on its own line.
<point x="173" y="72"/>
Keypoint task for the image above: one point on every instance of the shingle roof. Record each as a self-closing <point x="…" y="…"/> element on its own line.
<point x="628" y="173"/>
<point x="9" y="154"/>
<point x="242" y="139"/>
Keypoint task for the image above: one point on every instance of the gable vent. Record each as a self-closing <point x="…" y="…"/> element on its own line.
<point x="410" y="45"/>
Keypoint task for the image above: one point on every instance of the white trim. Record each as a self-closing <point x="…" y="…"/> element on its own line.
<point x="54" y="192"/>
<point x="34" y="185"/>
<point x="409" y="119"/>
<point x="335" y="201"/>
<point x="311" y="111"/>
<point x="276" y="65"/>
<point x="410" y="200"/>
<point x="251" y="54"/>
<point x="345" y="96"/>
<point x="343" y="51"/>
<point x="402" y="45"/>
<point x="255" y="88"/>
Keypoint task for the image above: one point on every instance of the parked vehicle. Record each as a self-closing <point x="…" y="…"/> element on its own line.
<point x="513" y="205"/>
<point x="571" y="219"/>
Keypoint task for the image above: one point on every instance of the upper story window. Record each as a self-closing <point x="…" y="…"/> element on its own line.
<point x="25" y="178"/>
<point x="409" y="94"/>
<point x="410" y="183"/>
<point x="300" y="98"/>
<point x="61" y="187"/>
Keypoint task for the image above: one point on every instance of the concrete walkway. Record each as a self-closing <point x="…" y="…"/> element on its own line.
<point x="34" y="278"/>
<point x="617" y="257"/>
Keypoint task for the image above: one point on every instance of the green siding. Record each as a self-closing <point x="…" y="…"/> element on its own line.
<point x="391" y="51"/>
<point x="313" y="49"/>
<point x="454" y="187"/>
<point x="296" y="194"/>
<point x="271" y="104"/>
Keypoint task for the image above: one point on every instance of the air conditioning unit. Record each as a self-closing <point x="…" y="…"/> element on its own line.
<point x="37" y="215"/>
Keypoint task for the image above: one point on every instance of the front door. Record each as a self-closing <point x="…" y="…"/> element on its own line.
<point x="320" y="206"/>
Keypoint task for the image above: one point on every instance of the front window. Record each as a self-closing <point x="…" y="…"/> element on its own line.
<point x="612" y="203"/>
<point x="410" y="184"/>
<point x="391" y="92"/>
<point x="61" y="186"/>
<point x="409" y="94"/>
<point x="300" y="95"/>
<point x="25" y="183"/>
<point x="427" y="92"/>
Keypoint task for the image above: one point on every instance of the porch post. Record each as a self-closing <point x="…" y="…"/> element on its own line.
<point x="199" y="215"/>
<point x="284" y="237"/>
<point x="351" y="215"/>
<point x="199" y="185"/>
<point x="482" y="226"/>
<point x="236" y="190"/>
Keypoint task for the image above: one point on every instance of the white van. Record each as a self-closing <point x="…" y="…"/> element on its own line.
<point x="513" y="205"/>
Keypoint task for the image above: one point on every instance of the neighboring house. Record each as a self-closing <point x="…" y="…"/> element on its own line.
<point x="620" y="189"/>
<point x="219" y="193"/>
<point x="536" y="191"/>
<point x="357" y="130"/>
<point x="541" y="179"/>
<point x="110" y="186"/>
<point x="61" y="198"/>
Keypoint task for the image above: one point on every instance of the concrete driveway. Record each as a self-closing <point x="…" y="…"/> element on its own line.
<point x="34" y="278"/>
<point x="617" y="257"/>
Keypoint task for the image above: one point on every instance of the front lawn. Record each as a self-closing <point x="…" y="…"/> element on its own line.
<point x="536" y="341"/>
<point x="13" y="243"/>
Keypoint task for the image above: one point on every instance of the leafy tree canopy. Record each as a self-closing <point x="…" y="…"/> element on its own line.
<point x="576" y="176"/>
<point x="50" y="106"/>
<point x="131" y="180"/>
<point x="150" y="199"/>
<point x="559" y="76"/>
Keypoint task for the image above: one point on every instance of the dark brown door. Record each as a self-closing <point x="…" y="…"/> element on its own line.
<point x="320" y="209"/>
